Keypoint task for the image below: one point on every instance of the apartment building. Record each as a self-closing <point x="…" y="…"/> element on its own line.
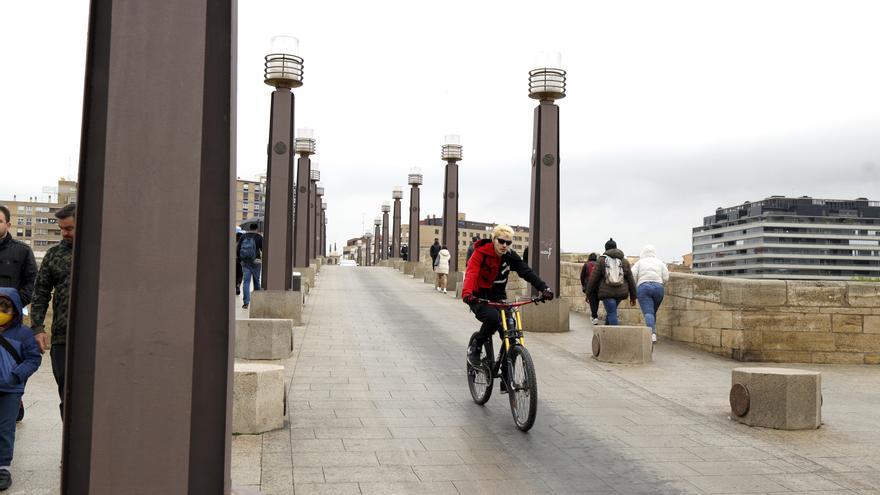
<point x="33" y="221"/>
<point x="791" y="238"/>
<point x="250" y="199"/>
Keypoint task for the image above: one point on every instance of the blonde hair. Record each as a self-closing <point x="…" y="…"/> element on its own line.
<point x="502" y="229"/>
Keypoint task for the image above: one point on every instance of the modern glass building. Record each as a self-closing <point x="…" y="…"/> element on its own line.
<point x="791" y="238"/>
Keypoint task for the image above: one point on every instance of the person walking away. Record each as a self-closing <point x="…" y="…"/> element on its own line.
<point x="239" y="275"/>
<point x="470" y="250"/>
<point x="435" y="250"/>
<point x="20" y="357"/>
<point x="53" y="284"/>
<point x="443" y="258"/>
<point x="18" y="270"/>
<point x="613" y="281"/>
<point x="651" y="275"/>
<point x="592" y="298"/>
<point x="250" y="252"/>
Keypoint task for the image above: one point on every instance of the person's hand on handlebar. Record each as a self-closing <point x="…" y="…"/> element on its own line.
<point x="547" y="294"/>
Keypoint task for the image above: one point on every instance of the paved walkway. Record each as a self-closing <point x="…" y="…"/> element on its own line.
<point x="379" y="404"/>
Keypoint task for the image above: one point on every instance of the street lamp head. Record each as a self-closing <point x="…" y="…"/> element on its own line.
<point x="397" y="193"/>
<point x="415" y="176"/>
<point x="386" y="207"/>
<point x="315" y="172"/>
<point x="323" y="205"/>
<point x="452" y="147"/>
<point x="368" y="235"/>
<point x="547" y="79"/>
<point x="377" y="221"/>
<point x="360" y="243"/>
<point x="319" y="190"/>
<point x="284" y="68"/>
<point x="304" y="143"/>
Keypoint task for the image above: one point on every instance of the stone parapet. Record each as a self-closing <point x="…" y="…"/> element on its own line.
<point x="760" y="320"/>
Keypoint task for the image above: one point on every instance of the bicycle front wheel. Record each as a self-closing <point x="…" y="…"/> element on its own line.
<point x="523" y="381"/>
<point x="480" y="378"/>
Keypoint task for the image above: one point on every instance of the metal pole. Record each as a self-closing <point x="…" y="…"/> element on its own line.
<point x="384" y="235"/>
<point x="450" y="214"/>
<point x="378" y="246"/>
<point x="413" y="248"/>
<point x="301" y="253"/>
<point x="544" y="209"/>
<point x="395" y="236"/>
<point x="319" y="197"/>
<point x="312" y="218"/>
<point x="127" y="374"/>
<point x="278" y="232"/>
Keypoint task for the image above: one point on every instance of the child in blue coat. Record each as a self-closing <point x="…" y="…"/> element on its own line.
<point x="19" y="359"/>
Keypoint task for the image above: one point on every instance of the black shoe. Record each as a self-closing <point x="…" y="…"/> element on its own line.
<point x="502" y="387"/>
<point x="20" y="412"/>
<point x="473" y="356"/>
<point x="238" y="291"/>
<point x="5" y="479"/>
<point x="244" y="306"/>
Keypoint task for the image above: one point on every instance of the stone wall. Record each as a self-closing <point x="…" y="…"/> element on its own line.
<point x="762" y="320"/>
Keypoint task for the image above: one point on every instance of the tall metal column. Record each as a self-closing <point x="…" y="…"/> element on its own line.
<point x="277" y="230"/>
<point x="305" y="146"/>
<point x="324" y="228"/>
<point x="368" y="259"/>
<point x="313" y="196"/>
<point x="385" y="209"/>
<point x="451" y="153"/>
<point x="377" y="247"/>
<point x="415" y="180"/>
<point x="319" y="223"/>
<point x="546" y="84"/>
<point x="126" y="373"/>
<point x="360" y="248"/>
<point x="397" y="194"/>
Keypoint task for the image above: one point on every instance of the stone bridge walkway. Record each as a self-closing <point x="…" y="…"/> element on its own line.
<point x="378" y="404"/>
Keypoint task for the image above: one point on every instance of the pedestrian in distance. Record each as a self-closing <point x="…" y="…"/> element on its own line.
<point x="442" y="269"/>
<point x="470" y="250"/>
<point x="239" y="275"/>
<point x="612" y="280"/>
<point x="53" y="284"/>
<point x="435" y="250"/>
<point x="250" y="252"/>
<point x="651" y="275"/>
<point x="20" y="357"/>
<point x="18" y="268"/>
<point x="592" y="298"/>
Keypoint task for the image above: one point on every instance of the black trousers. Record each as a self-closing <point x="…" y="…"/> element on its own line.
<point x="594" y="304"/>
<point x="491" y="319"/>
<point x="238" y="274"/>
<point x="58" y="353"/>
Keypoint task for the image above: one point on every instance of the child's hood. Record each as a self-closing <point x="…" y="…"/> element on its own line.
<point x="12" y="295"/>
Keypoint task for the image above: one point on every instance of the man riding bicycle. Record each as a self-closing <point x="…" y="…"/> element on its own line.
<point x="486" y="278"/>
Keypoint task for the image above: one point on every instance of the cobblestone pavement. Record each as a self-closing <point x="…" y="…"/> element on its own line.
<point x="379" y="404"/>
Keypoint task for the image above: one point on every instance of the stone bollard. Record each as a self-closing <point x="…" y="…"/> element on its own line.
<point x="308" y="277"/>
<point x="263" y="338"/>
<point x="430" y="277"/>
<point x="780" y="398"/>
<point x="419" y="270"/>
<point x="622" y="344"/>
<point x="409" y="267"/>
<point x="550" y="316"/>
<point x="283" y="304"/>
<point x="257" y="398"/>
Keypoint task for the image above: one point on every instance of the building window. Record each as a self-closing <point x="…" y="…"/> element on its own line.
<point x="28" y="209"/>
<point x="27" y="232"/>
<point x="436" y="231"/>
<point x="20" y="208"/>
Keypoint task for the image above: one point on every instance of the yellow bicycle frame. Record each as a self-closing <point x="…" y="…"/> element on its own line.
<point x="522" y="340"/>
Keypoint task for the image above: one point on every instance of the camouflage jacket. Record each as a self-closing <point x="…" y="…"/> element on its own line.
<point x="54" y="276"/>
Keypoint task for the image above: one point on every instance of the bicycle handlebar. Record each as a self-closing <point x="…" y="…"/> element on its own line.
<point x="508" y="304"/>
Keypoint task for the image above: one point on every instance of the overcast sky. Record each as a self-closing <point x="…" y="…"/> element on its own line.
<point x="674" y="108"/>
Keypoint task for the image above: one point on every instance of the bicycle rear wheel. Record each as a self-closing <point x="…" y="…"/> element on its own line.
<point x="523" y="381"/>
<point x="480" y="378"/>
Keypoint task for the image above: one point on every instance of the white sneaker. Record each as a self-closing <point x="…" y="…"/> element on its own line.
<point x="438" y="289"/>
<point x="595" y="321"/>
<point x="653" y="337"/>
<point x="444" y="291"/>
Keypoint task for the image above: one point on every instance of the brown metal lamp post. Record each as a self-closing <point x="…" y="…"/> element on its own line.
<point x="368" y="257"/>
<point x="360" y="256"/>
<point x="319" y="223"/>
<point x="314" y="177"/>
<point x="386" y="207"/>
<point x="397" y="195"/>
<point x="128" y="372"/>
<point x="451" y="153"/>
<point x="323" y="228"/>
<point x="377" y="222"/>
<point x="546" y="84"/>
<point x="284" y="70"/>
<point x="415" y="180"/>
<point x="305" y="146"/>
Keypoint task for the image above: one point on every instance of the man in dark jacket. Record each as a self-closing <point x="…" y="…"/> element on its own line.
<point x="435" y="250"/>
<point x="470" y="250"/>
<point x="592" y="299"/>
<point x="53" y="283"/>
<point x="18" y="269"/>
<point x="608" y="291"/>
<point x="250" y="260"/>
<point x="486" y="278"/>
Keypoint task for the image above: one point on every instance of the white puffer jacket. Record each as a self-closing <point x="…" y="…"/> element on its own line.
<point x="649" y="268"/>
<point x="443" y="261"/>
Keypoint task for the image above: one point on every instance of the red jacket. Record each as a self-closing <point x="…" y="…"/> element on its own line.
<point x="486" y="275"/>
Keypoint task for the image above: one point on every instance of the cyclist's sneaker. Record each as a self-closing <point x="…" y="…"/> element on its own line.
<point x="653" y="337"/>
<point x="503" y="386"/>
<point x="473" y="356"/>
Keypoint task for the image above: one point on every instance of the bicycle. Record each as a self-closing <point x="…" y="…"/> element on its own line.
<point x="514" y="365"/>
